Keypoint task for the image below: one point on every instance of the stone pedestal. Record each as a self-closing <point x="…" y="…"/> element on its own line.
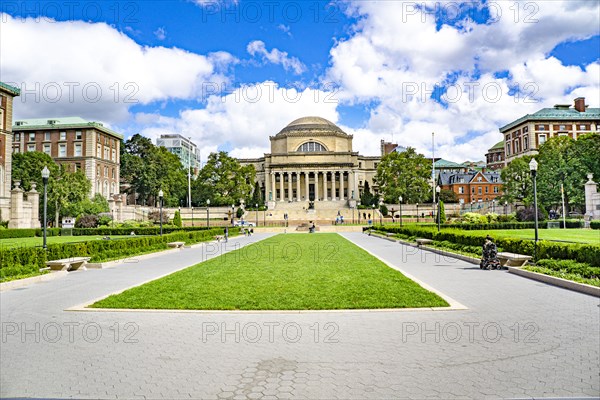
<point x="16" y="207"/>
<point x="33" y="197"/>
<point x="592" y="200"/>
<point x="270" y="205"/>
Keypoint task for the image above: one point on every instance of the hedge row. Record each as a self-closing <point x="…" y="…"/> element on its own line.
<point x="24" y="260"/>
<point x="595" y="224"/>
<point x="515" y="225"/>
<point x="585" y="253"/>
<point x="103" y="231"/>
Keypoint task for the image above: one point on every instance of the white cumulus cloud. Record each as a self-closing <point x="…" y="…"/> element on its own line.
<point x="275" y="56"/>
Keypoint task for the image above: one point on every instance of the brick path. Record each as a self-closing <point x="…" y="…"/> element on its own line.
<point x="518" y="339"/>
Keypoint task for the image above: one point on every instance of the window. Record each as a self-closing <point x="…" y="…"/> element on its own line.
<point x="47" y="148"/>
<point x="495" y="189"/>
<point x="15" y="150"/>
<point x="106" y="153"/>
<point x="1" y="117"/>
<point x="99" y="150"/>
<point x="541" y="127"/>
<point x="478" y="179"/>
<point x="78" y="135"/>
<point x="77" y="149"/>
<point x="359" y="165"/>
<point x="47" y="136"/>
<point x="62" y="150"/>
<point x="461" y="190"/>
<point x="311" y="147"/>
<point x="114" y="155"/>
<point x="473" y="190"/>
<point x="63" y="135"/>
<point x="487" y="189"/>
<point x="105" y="171"/>
<point x="17" y="137"/>
<point x="525" y="143"/>
<point x="525" y="129"/>
<point x="98" y="173"/>
<point x="31" y="147"/>
<point x="582" y="127"/>
<point x="563" y="134"/>
<point x="32" y="137"/>
<point x="562" y="127"/>
<point x="98" y="138"/>
<point x="541" y="139"/>
<point x="113" y="173"/>
<point x="479" y="190"/>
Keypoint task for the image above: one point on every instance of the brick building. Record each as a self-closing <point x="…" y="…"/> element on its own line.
<point x="472" y="186"/>
<point x="76" y="143"/>
<point x="495" y="157"/>
<point x="7" y="93"/>
<point x="525" y="135"/>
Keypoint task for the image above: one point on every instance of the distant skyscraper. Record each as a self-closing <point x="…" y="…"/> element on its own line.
<point x="186" y="150"/>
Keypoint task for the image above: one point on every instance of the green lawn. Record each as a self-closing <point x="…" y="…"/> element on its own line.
<point x="568" y="235"/>
<point x="38" y="241"/>
<point x="285" y="272"/>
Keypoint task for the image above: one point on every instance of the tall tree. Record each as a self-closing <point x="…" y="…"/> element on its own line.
<point x="367" y="197"/>
<point x="27" y="167"/>
<point x="148" y="169"/>
<point x="68" y="188"/>
<point x="406" y="174"/>
<point x="223" y="181"/>
<point x="517" y="185"/>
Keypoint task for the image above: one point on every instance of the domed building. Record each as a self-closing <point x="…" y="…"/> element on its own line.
<point x="312" y="162"/>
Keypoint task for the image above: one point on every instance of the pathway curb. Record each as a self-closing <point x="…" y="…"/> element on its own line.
<point x="553" y="280"/>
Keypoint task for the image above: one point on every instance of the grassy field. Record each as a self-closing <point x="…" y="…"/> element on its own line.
<point x="38" y="241"/>
<point x="285" y="272"/>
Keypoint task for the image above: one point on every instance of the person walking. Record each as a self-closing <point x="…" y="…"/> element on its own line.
<point x="226" y="234"/>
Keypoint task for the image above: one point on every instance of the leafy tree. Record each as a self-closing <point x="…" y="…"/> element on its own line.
<point x="517" y="186"/>
<point x="27" y="167"/>
<point x="223" y="181"/>
<point x="149" y="169"/>
<point x="367" y="198"/>
<point x="94" y="206"/>
<point x="68" y="188"/>
<point x="405" y="174"/>
<point x="448" y="196"/>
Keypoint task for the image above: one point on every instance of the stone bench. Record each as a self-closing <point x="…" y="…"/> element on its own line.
<point x="513" y="259"/>
<point x="176" y="245"/>
<point x="389" y="234"/>
<point x="68" y="264"/>
<point x="421" y="242"/>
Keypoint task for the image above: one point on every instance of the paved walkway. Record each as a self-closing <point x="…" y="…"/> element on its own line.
<point x="518" y="339"/>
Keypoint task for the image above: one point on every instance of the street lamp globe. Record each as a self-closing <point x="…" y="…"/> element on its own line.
<point x="208" y="201"/>
<point x="45" y="173"/>
<point x="161" y="193"/>
<point x="533" y="165"/>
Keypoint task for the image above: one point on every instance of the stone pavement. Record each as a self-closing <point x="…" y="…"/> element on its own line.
<point x="518" y="339"/>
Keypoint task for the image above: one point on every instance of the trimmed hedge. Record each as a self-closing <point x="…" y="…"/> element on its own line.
<point x="102" y="231"/>
<point x="595" y="224"/>
<point x="515" y="225"/>
<point x="24" y="260"/>
<point x="22" y="233"/>
<point x="585" y="253"/>
<point x="21" y="261"/>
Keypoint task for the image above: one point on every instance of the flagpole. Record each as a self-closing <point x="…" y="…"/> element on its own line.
<point x="433" y="164"/>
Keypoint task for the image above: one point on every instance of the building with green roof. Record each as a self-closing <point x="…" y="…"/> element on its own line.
<point x="495" y="156"/>
<point x="526" y="134"/>
<point x="77" y="143"/>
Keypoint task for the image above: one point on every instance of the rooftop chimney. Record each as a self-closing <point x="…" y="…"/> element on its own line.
<point x="580" y="104"/>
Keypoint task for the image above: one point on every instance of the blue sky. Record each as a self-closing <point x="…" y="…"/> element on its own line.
<point x="364" y="55"/>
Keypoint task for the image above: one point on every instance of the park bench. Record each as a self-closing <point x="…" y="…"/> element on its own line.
<point x="68" y="264"/>
<point x="389" y="234"/>
<point x="176" y="245"/>
<point x="219" y="237"/>
<point x="421" y="242"/>
<point x="512" y="259"/>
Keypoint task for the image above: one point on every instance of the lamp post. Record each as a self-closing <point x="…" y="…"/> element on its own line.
<point x="472" y="202"/>
<point x="417" y="213"/>
<point x="358" y="210"/>
<point x="45" y="176"/>
<point x="494" y="206"/>
<point x="533" y="166"/>
<point x="256" y="205"/>
<point x="208" y="213"/>
<point x="505" y="206"/>
<point x="373" y="207"/>
<point x="400" y="208"/>
<point x="439" y="208"/>
<point x="232" y="213"/>
<point x="160" y="200"/>
<point x="380" y="213"/>
<point x="264" y="216"/>
<point x="192" y="216"/>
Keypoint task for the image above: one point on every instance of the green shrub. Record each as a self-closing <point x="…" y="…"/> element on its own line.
<point x="21" y="261"/>
<point x="572" y="267"/>
<point x="595" y="224"/>
<point x="177" y="219"/>
<point x="239" y="213"/>
<point x="384" y="210"/>
<point x="87" y="221"/>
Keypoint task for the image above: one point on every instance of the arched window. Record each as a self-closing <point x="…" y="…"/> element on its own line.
<point x="310" y="147"/>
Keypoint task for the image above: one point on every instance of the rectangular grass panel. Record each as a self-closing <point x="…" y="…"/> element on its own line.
<point x="285" y="272"/>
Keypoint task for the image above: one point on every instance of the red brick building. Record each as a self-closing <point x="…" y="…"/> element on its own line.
<point x="76" y="143"/>
<point x="472" y="186"/>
